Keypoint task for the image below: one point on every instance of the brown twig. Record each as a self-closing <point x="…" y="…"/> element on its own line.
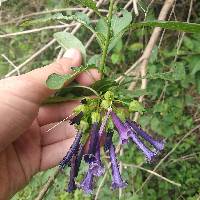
<point x="148" y="50"/>
<point x="47" y="185"/>
<point x="169" y="18"/>
<point x="180" y="41"/>
<point x="168" y="154"/>
<point x="18" y="19"/>
<point x="35" y="30"/>
<point x="153" y="173"/>
<point x="50" y="43"/>
<point x="11" y="63"/>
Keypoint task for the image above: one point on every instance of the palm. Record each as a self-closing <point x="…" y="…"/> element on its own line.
<point x="31" y="152"/>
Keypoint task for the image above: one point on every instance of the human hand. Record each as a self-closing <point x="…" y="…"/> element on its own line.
<point x="25" y="146"/>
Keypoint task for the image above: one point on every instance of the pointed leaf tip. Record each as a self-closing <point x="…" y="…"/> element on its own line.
<point x="56" y="81"/>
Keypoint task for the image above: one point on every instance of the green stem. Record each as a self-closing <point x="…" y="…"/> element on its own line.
<point x="105" y="50"/>
<point x="88" y="88"/>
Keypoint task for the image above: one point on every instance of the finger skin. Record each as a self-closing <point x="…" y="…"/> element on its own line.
<point x="20" y="98"/>
<point x="89" y="77"/>
<point x="56" y="112"/>
<point x="53" y="154"/>
<point x="59" y="133"/>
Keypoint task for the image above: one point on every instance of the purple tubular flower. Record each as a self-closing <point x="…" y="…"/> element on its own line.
<point x="72" y="184"/>
<point x="78" y="160"/>
<point x="122" y="129"/>
<point x="96" y="167"/>
<point x="104" y="122"/>
<point x="117" y="181"/>
<point x="158" y="145"/>
<point x="108" y="140"/>
<point x="87" y="183"/>
<point x="93" y="141"/>
<point x="72" y="151"/>
<point x="148" y="153"/>
<point x="76" y="119"/>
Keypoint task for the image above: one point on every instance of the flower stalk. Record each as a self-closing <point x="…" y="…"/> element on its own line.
<point x="105" y="49"/>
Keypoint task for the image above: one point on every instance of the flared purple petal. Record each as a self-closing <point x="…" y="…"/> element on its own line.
<point x="117" y="181"/>
<point x="150" y="155"/>
<point x="76" y="119"/>
<point x="158" y="145"/>
<point x="73" y="150"/>
<point x="93" y="140"/>
<point x="121" y="128"/>
<point x="72" y="184"/>
<point x="87" y="183"/>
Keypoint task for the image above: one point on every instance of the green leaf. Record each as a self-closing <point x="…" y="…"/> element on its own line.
<point x="88" y="3"/>
<point x="119" y="23"/>
<point x="188" y="43"/>
<point x="115" y="58"/>
<point x="172" y="25"/>
<point x="179" y="71"/>
<point x="168" y="76"/>
<point x="135" y="106"/>
<point x="127" y="94"/>
<point x="154" y="55"/>
<point x="115" y="40"/>
<point x="104" y="85"/>
<point x="81" y="18"/>
<point x="196" y="69"/>
<point x="198" y="83"/>
<point x="67" y="41"/>
<point x="95" y="60"/>
<point x="58" y="99"/>
<point x="57" y="16"/>
<point x="82" y="68"/>
<point x="3" y="69"/>
<point x="56" y="81"/>
<point x="102" y="27"/>
<point x="119" y="26"/>
<point x="194" y="63"/>
<point x="135" y="47"/>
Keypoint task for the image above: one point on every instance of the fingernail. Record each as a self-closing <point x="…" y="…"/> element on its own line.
<point x="71" y="53"/>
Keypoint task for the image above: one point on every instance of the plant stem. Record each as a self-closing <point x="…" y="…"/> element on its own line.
<point x="105" y="50"/>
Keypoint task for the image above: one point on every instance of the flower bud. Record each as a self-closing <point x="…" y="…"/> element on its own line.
<point x="106" y="104"/>
<point x="80" y="108"/>
<point x="109" y="95"/>
<point x="95" y="117"/>
<point x="83" y="125"/>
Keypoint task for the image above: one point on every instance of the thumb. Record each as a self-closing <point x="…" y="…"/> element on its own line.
<point x="20" y="96"/>
<point x="37" y="78"/>
<point x="32" y="85"/>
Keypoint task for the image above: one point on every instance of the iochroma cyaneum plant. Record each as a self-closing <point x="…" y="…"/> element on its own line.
<point x="101" y="119"/>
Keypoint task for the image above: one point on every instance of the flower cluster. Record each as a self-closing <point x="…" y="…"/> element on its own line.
<point x="90" y="151"/>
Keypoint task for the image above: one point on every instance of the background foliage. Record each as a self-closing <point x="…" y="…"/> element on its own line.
<point x="171" y="98"/>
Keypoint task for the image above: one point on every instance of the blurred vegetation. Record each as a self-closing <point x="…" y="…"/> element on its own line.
<point x="172" y="101"/>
